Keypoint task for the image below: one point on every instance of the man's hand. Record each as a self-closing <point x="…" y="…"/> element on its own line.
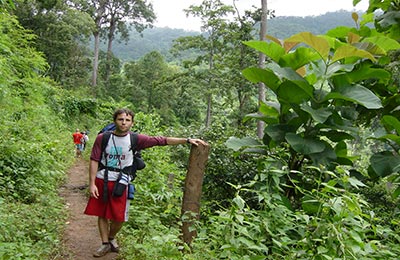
<point x="196" y="142"/>
<point x="94" y="192"/>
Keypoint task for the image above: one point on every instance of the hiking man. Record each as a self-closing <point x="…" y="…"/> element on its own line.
<point x="105" y="168"/>
<point x="84" y="140"/>
<point x="77" y="136"/>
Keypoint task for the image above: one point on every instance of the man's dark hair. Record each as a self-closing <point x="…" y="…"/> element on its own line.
<point x="123" y="111"/>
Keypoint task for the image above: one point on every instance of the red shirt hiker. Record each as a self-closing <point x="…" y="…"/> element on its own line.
<point x="77" y="141"/>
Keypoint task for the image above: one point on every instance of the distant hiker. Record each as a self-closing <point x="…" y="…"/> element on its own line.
<point x="110" y="169"/>
<point x="77" y="136"/>
<point x="84" y="140"/>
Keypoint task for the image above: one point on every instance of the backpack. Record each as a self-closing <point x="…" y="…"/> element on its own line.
<point x="110" y="127"/>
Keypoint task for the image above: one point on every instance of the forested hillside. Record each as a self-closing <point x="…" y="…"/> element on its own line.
<point x="153" y="39"/>
<point x="303" y="128"/>
<point x="161" y="39"/>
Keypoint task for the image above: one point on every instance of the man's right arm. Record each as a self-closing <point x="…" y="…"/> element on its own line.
<point x="93" y="166"/>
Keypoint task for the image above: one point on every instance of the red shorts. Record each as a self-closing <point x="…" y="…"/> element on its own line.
<point x="116" y="208"/>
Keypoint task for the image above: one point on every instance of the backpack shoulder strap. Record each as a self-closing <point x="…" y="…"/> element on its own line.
<point x="104" y="141"/>
<point x="134" y="137"/>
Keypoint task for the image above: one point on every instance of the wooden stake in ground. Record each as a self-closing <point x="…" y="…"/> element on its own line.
<point x="192" y="190"/>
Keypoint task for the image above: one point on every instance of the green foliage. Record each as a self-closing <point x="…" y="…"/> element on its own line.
<point x="36" y="149"/>
<point x="158" y="87"/>
<point x="73" y="107"/>
<point x="64" y="35"/>
<point x="224" y="169"/>
<point x="300" y="193"/>
<point x="31" y="231"/>
<point x="313" y="87"/>
<point x="325" y="88"/>
<point x="335" y="223"/>
<point x="388" y="21"/>
<point x="18" y="57"/>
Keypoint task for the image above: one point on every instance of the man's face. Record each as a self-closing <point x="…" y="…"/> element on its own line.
<point x="123" y="122"/>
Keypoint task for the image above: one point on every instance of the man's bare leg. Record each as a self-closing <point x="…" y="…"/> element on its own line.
<point x="115" y="227"/>
<point x="103" y="229"/>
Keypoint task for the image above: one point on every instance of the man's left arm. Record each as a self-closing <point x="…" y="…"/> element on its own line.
<point x="177" y="140"/>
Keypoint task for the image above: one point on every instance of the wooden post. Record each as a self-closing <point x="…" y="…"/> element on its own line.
<point x="192" y="190"/>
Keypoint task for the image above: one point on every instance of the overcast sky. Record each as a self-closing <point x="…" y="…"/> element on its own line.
<point x="170" y="12"/>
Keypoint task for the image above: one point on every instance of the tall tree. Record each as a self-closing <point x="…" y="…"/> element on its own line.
<point x="238" y="57"/>
<point x="214" y="23"/>
<point x="97" y="12"/>
<point x="63" y="34"/>
<point x="144" y="78"/>
<point x="113" y="17"/>
<point x="138" y="13"/>
<point x="261" y="63"/>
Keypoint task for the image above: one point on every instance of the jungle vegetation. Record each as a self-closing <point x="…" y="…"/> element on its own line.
<point x="322" y="183"/>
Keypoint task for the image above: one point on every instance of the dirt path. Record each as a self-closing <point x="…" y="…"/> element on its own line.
<point x="81" y="237"/>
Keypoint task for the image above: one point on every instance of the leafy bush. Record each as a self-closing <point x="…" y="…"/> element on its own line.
<point x="333" y="224"/>
<point x="31" y="231"/>
<point x="35" y="147"/>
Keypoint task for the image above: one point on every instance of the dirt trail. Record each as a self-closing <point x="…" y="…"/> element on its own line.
<point x="81" y="237"/>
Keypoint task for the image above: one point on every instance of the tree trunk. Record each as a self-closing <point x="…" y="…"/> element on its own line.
<point x="210" y="83"/>
<point x="261" y="63"/>
<point x="95" y="61"/>
<point x="109" y="49"/>
<point x="192" y="191"/>
<point x="208" y="116"/>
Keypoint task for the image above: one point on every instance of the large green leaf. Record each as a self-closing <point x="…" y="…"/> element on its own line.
<point x="238" y="143"/>
<point x="342" y="154"/>
<point x="391" y="137"/>
<point x="298" y="58"/>
<point x="319" y="44"/>
<point x="336" y="136"/>
<point x="367" y="71"/>
<point x="370" y="47"/>
<point x="310" y="205"/>
<point x="284" y="72"/>
<point x="357" y="94"/>
<point x="278" y="132"/>
<point x="268" y="112"/>
<point x="385" y="43"/>
<point x="269" y="108"/>
<point x="326" y="157"/>
<point x="305" y="145"/>
<point x="348" y="51"/>
<point x="271" y="49"/>
<point x="336" y="67"/>
<point x="341" y="148"/>
<point x="262" y="117"/>
<point x="265" y="76"/>
<point x="292" y="93"/>
<point x="384" y="163"/>
<point x="391" y="122"/>
<point x="319" y="115"/>
<point x="339" y="32"/>
<point x="348" y="160"/>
